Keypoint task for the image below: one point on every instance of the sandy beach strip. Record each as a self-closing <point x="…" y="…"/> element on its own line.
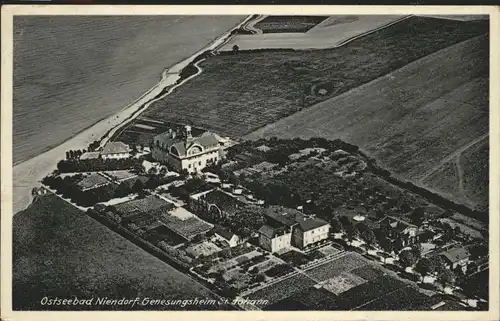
<point x="28" y="174"/>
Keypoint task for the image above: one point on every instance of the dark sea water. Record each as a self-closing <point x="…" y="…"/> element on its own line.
<point x="70" y="72"/>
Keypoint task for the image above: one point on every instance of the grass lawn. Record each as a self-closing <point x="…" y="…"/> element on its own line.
<point x="237" y="93"/>
<point x="59" y="251"/>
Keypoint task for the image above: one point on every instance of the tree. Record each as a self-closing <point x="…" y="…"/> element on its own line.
<point x="163" y="170"/>
<point x="351" y="232"/>
<point x="386" y="245"/>
<point x="417" y="217"/>
<point x="122" y="190"/>
<point x="478" y="250"/>
<point x="138" y="188"/>
<point x="369" y="237"/>
<point x="236" y="48"/>
<point x="446" y="277"/>
<point x="416" y="250"/>
<point x="398" y="245"/>
<point x="67" y="155"/>
<point x="138" y="168"/>
<point x="233" y="179"/>
<point x="336" y="225"/>
<point x="424" y="266"/>
<point x="407" y="258"/>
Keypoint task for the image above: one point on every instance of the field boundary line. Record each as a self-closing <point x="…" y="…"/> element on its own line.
<point x="366" y="33"/>
<point x="450" y="157"/>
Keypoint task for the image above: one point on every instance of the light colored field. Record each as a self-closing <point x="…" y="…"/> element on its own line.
<point x="328" y="34"/>
<point x="342" y="283"/>
<point x="410" y="119"/>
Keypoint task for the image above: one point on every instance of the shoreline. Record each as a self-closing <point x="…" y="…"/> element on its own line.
<point x="29" y="173"/>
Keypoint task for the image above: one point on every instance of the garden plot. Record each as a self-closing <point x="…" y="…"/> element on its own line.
<point x="367" y="292"/>
<point x="278" y="291"/>
<point x="342" y="282"/>
<point x="404" y="299"/>
<point x="120" y="175"/>
<point x="334" y="268"/>
<point x="205" y="248"/>
<point x="368" y="272"/>
<point x="329" y="250"/>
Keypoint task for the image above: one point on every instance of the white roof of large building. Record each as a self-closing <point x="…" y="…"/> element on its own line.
<point x="181" y="144"/>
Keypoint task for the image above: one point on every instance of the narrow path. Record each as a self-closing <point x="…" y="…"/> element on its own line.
<point x="250" y="26"/>
<point x="450" y="157"/>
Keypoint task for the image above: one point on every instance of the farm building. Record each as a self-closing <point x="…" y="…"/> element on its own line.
<point x="185" y="152"/>
<point x="115" y="150"/>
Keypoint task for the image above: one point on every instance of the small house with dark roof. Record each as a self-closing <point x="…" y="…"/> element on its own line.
<point x="115" y="150"/>
<point x="399" y="229"/>
<point x="222" y="234"/>
<point x="456" y="257"/>
<point x="185" y="152"/>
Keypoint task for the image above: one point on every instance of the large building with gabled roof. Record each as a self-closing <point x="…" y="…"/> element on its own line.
<point x="185" y="152"/>
<point x="286" y="227"/>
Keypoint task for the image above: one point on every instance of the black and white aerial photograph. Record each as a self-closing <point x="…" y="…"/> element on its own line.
<point x="251" y="162"/>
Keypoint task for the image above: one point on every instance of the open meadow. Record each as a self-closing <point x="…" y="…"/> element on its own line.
<point x="58" y="251"/>
<point x="411" y="119"/>
<point x="237" y="93"/>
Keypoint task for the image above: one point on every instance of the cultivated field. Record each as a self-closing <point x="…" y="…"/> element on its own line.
<point x="475" y="164"/>
<point x="58" y="251"/>
<point x="237" y="93"/>
<point x="347" y="283"/>
<point x="327" y="34"/>
<point x="279" y="24"/>
<point x="411" y="119"/>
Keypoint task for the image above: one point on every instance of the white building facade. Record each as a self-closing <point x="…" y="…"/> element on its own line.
<point x="187" y="152"/>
